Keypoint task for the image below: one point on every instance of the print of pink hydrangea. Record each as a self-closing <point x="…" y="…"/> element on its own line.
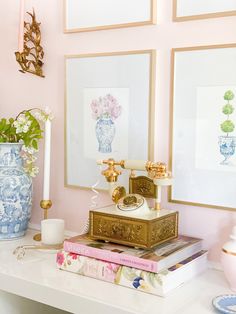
<point x="105" y="107"/>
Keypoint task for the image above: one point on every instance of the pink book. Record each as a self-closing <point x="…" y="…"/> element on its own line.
<point x="153" y="260"/>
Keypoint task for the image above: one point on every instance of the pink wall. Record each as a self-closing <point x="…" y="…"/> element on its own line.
<point x="19" y="91"/>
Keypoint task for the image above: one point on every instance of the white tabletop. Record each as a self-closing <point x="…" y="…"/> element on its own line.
<point x="36" y="277"/>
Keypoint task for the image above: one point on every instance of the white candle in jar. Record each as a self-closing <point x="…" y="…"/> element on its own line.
<point x="47" y="156"/>
<point x="52" y="231"/>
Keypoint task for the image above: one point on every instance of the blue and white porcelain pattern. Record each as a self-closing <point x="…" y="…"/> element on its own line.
<point x="15" y="193"/>
<point x="105" y="132"/>
<point x="225" y="303"/>
<point x="227" y="147"/>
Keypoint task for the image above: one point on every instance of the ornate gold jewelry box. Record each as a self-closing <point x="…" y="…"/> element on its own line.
<point x="137" y="229"/>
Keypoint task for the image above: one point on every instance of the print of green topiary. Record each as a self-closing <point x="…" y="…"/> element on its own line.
<point x="228" y="126"/>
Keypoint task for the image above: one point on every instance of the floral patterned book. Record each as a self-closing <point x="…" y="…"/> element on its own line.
<point x="155" y="283"/>
<point x="153" y="260"/>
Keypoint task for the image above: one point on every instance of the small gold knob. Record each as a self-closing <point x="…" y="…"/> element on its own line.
<point x="46" y="204"/>
<point x="111" y="173"/>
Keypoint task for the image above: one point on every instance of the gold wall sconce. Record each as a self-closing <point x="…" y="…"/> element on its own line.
<point x="30" y="59"/>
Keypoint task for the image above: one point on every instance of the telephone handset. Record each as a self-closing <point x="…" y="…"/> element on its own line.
<point x="149" y="187"/>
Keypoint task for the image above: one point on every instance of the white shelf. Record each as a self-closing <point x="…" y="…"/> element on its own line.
<point x="37" y="278"/>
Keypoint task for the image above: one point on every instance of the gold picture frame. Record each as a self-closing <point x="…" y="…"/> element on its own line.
<point x="78" y="90"/>
<point x="195" y="16"/>
<point x="74" y="27"/>
<point x="199" y="179"/>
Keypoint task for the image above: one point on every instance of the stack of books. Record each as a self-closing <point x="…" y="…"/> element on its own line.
<point x="155" y="271"/>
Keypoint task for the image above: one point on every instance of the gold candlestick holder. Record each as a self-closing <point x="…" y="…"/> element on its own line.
<point x="45" y="205"/>
<point x="30" y="59"/>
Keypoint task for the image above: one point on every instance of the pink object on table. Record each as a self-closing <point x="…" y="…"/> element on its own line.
<point x="228" y="260"/>
<point x="153" y="260"/>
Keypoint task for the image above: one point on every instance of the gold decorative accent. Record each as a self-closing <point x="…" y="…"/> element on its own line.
<point x="132" y="231"/>
<point x="142" y="185"/>
<point x="130" y="202"/>
<point x="122" y="164"/>
<point x="37" y="237"/>
<point x="132" y="174"/>
<point x="157" y="170"/>
<point x="120" y="231"/>
<point x="228" y="252"/>
<point x="157" y="206"/>
<point x="111" y="173"/>
<point x="45" y="205"/>
<point x="30" y="60"/>
<point x="21" y="250"/>
<point x="118" y="193"/>
<point x="163" y="229"/>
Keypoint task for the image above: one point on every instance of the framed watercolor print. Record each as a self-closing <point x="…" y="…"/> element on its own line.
<point x="203" y="139"/>
<point x="90" y="15"/>
<point x="109" y="112"/>
<point x="184" y="10"/>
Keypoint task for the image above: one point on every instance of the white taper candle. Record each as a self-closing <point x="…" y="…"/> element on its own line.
<point x="47" y="156"/>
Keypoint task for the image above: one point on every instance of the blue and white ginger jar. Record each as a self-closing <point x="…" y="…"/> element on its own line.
<point x="15" y="192"/>
<point x="105" y="132"/>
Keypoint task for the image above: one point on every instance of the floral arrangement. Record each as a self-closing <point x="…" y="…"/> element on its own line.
<point x="25" y="129"/>
<point x="105" y="107"/>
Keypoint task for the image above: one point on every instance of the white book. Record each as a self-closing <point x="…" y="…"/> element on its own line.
<point x="155" y="283"/>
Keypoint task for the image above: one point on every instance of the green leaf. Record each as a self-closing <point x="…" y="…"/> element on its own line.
<point x="2" y="124"/>
<point x="35" y="144"/>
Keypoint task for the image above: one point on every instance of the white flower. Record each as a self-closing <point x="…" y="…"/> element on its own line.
<point x="31" y="159"/>
<point x="48" y="114"/>
<point x="43" y="115"/>
<point x="22" y="124"/>
<point x="29" y="149"/>
<point x="24" y="157"/>
<point x="32" y="170"/>
<point x="38" y="115"/>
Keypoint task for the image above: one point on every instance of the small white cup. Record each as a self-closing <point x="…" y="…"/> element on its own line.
<point x="52" y="231"/>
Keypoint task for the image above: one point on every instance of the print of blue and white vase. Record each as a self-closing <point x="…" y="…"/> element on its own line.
<point x="227" y="147"/>
<point x="15" y="192"/>
<point x="105" y="132"/>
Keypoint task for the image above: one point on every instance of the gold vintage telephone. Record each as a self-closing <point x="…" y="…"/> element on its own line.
<point x="130" y="220"/>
